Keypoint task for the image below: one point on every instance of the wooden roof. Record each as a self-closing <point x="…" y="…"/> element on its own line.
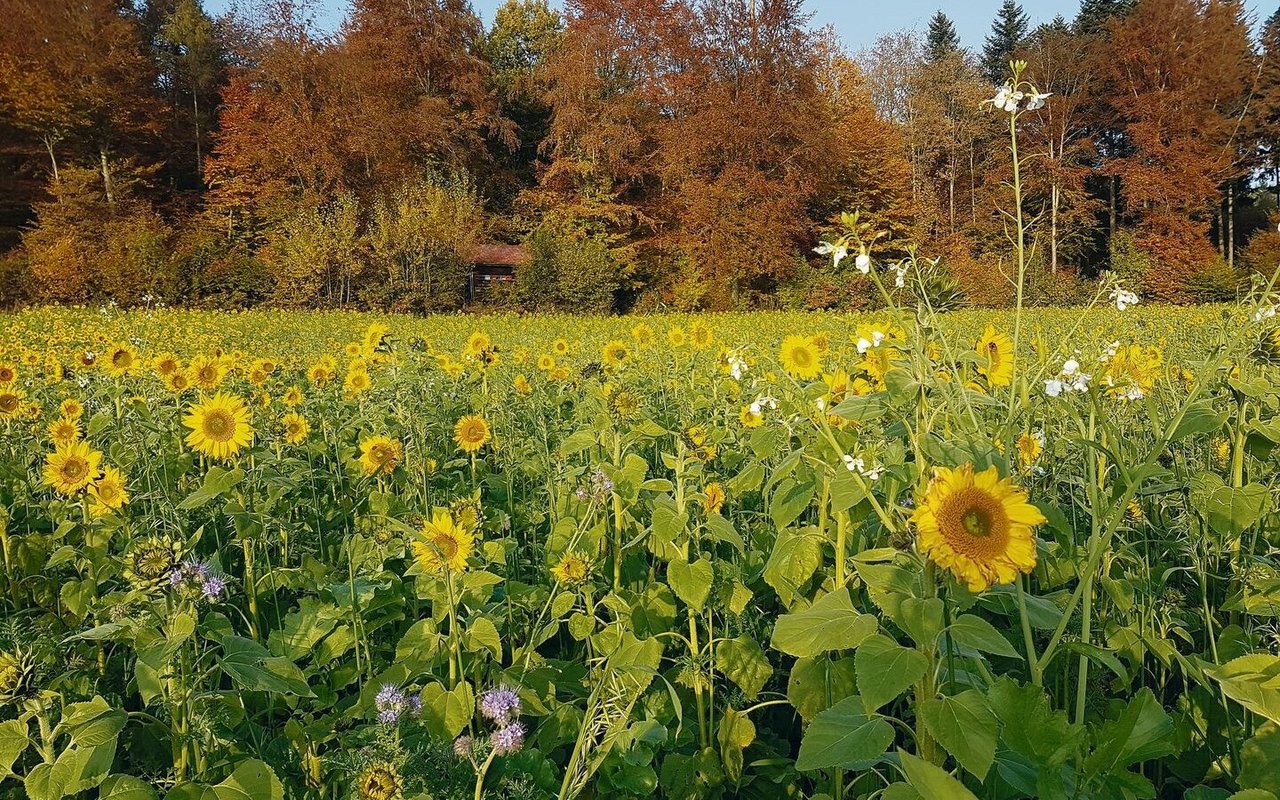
<point x="504" y="255"/>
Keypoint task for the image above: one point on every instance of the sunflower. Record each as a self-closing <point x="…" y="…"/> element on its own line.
<point x="122" y="359"/>
<point x="521" y="384"/>
<point x="206" y="373"/>
<point x="1030" y="446"/>
<point x="177" y="383"/>
<point x="471" y="433"/>
<point x="750" y="417"/>
<point x="295" y="428"/>
<point x="220" y="425"/>
<point x="443" y="544"/>
<point x="149" y="562"/>
<point x="71" y="468"/>
<point x="374" y="336"/>
<point x="467" y="513"/>
<point x="571" y="568"/>
<point x="357" y="381"/>
<point x="17" y="670"/>
<point x="292" y="397"/>
<point x="642" y="334"/>
<point x="108" y="493"/>
<point x="676" y="336"/>
<point x="380" y="454"/>
<point x="626" y="405"/>
<point x="558" y="375"/>
<point x="477" y="343"/>
<point x="615" y="354"/>
<point x="546" y="362"/>
<point x="800" y="358"/>
<point x="11" y="401"/>
<point x="995" y="357"/>
<point x="1132" y="371"/>
<point x="700" y="335"/>
<point x="380" y="781"/>
<point x="560" y="347"/>
<point x="64" y="431"/>
<point x="8" y="373"/>
<point x="977" y="525"/>
<point x="166" y="364"/>
<point x="321" y="372"/>
<point x="71" y="408"/>
<point x="713" y="494"/>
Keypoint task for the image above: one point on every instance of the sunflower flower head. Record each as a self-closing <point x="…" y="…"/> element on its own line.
<point x="221" y="426"/>
<point x="380" y="455"/>
<point x="977" y="525"/>
<point x="471" y="433"/>
<point x="72" y="468"/>
<point x="443" y="545"/>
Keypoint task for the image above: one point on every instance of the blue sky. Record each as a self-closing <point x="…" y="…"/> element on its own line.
<point x="857" y="22"/>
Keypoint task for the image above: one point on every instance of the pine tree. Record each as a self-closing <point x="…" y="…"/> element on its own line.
<point x="1008" y="32"/>
<point x="942" y="39"/>
<point x="1093" y="14"/>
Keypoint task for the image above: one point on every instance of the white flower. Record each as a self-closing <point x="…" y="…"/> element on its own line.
<point x="1070" y="379"/>
<point x="1070" y="367"/>
<point x="863" y="263"/>
<point x="859" y="466"/>
<point x="1036" y="100"/>
<point x="1053" y="387"/>
<point x="1124" y="298"/>
<point x="1264" y="313"/>
<point x="865" y="344"/>
<point x="1011" y="104"/>
<point x="821" y="403"/>
<point x="838" y="252"/>
<point x="1002" y="97"/>
<point x="901" y="279"/>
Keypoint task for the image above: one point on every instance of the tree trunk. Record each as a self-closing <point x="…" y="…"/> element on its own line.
<point x="195" y="117"/>
<point x="1111" y="211"/>
<point x="53" y="161"/>
<point x="106" y="177"/>
<point x="1231" y="225"/>
<point x="1053" y="231"/>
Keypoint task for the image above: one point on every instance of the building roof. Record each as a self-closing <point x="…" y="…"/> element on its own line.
<point x="506" y="255"/>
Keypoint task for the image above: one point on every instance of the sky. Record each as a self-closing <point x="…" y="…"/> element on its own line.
<point x="858" y="22"/>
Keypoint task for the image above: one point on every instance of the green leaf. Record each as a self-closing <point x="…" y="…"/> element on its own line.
<point x="735" y="734"/>
<point x="691" y="582"/>
<point x="1030" y="727"/>
<point x="125" y="787"/>
<point x="1143" y="731"/>
<point x="1260" y="760"/>
<point x="1229" y="511"/>
<point x="1199" y="418"/>
<point x="818" y="683"/>
<point x="251" y="780"/>
<point x="886" y="669"/>
<point x="1253" y="681"/>
<point x="932" y="782"/>
<point x="445" y="712"/>
<point x="843" y="736"/>
<point x="831" y="623"/>
<point x="13" y="741"/>
<point x="789" y="501"/>
<point x="251" y="666"/>
<point x="796" y="556"/>
<point x="965" y="726"/>
<point x="973" y="631"/>
<point x="93" y="723"/>
<point x="481" y="634"/>
<point x="743" y="661"/>
<point x="217" y="482"/>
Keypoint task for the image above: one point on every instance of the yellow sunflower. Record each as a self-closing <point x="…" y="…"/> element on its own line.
<point x="357" y="381"/>
<point x="800" y="358"/>
<point x="977" y="525"/>
<point x="166" y="364"/>
<point x="292" y="397"/>
<point x="995" y="357"/>
<point x="380" y="454"/>
<point x="713" y="497"/>
<point x="70" y="469"/>
<point x="546" y="362"/>
<point x="471" y="433"/>
<point x="206" y="373"/>
<point x="122" y="359"/>
<point x="521" y="384"/>
<point x="571" y="568"/>
<point x="642" y="334"/>
<point x="676" y="336"/>
<point x="71" y="408"/>
<point x="221" y="426"/>
<point x="750" y="417"/>
<point x="11" y="401"/>
<point x="295" y="428"/>
<point x="1132" y="371"/>
<point x="380" y="781"/>
<point x="560" y="347"/>
<point x="8" y="373"/>
<point x="615" y="354"/>
<point x="443" y="545"/>
<point x="108" y="493"/>
<point x="700" y="335"/>
<point x="64" y="431"/>
<point x="1030" y="446"/>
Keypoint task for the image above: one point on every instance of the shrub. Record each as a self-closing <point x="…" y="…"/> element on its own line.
<point x="567" y="272"/>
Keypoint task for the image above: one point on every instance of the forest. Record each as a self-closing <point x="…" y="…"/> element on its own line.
<point x="649" y="154"/>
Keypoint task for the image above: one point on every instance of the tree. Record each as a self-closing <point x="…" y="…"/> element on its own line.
<point x="1264" y="117"/>
<point x="942" y="39"/>
<point x="193" y="70"/>
<point x="1008" y="32"/>
<point x="1095" y="14"/>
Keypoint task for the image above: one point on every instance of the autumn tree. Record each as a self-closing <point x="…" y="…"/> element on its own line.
<point x="192" y="64"/>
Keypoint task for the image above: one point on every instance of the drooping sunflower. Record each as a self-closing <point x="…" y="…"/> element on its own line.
<point x="626" y="405"/>
<point x="799" y="357"/>
<point x="71" y="468"/>
<point x="571" y="568"/>
<point x="615" y="354"/>
<point x="295" y="428"/>
<point x="521" y="385"/>
<point x="108" y="493"/>
<point x="978" y="526"/>
<point x="64" y="431"/>
<point x="713" y="498"/>
<point x="122" y="359"/>
<point x="471" y="433"/>
<point x="380" y="454"/>
<point x="995" y="357"/>
<point x="11" y="399"/>
<point x="380" y="781"/>
<point x="442" y="544"/>
<point x="221" y="426"/>
<point x="467" y="513"/>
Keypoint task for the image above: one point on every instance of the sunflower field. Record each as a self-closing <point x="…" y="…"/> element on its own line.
<point x="270" y="555"/>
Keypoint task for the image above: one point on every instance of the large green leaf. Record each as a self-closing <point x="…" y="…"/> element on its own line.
<point x="251" y="666"/>
<point x="1143" y="731"/>
<point x="832" y="623"/>
<point x="13" y="740"/>
<point x="886" y="669"/>
<point x="844" y="736"/>
<point x="973" y="631"/>
<point x="1253" y="681"/>
<point x="965" y="726"/>
<point x="743" y="661"/>
<point x="691" y="582"/>
<point x="931" y="781"/>
<point x="251" y="780"/>
<point x="217" y="482"/>
<point x="818" y="683"/>
<point x="1030" y="727"/>
<point x="125" y="787"/>
<point x="795" y="557"/>
<point x="1229" y="511"/>
<point x="1260" y="760"/>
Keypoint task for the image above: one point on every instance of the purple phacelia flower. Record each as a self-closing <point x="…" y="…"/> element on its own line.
<point x="508" y="739"/>
<point x="213" y="587"/>
<point x="462" y="746"/>
<point x="500" y="705"/>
